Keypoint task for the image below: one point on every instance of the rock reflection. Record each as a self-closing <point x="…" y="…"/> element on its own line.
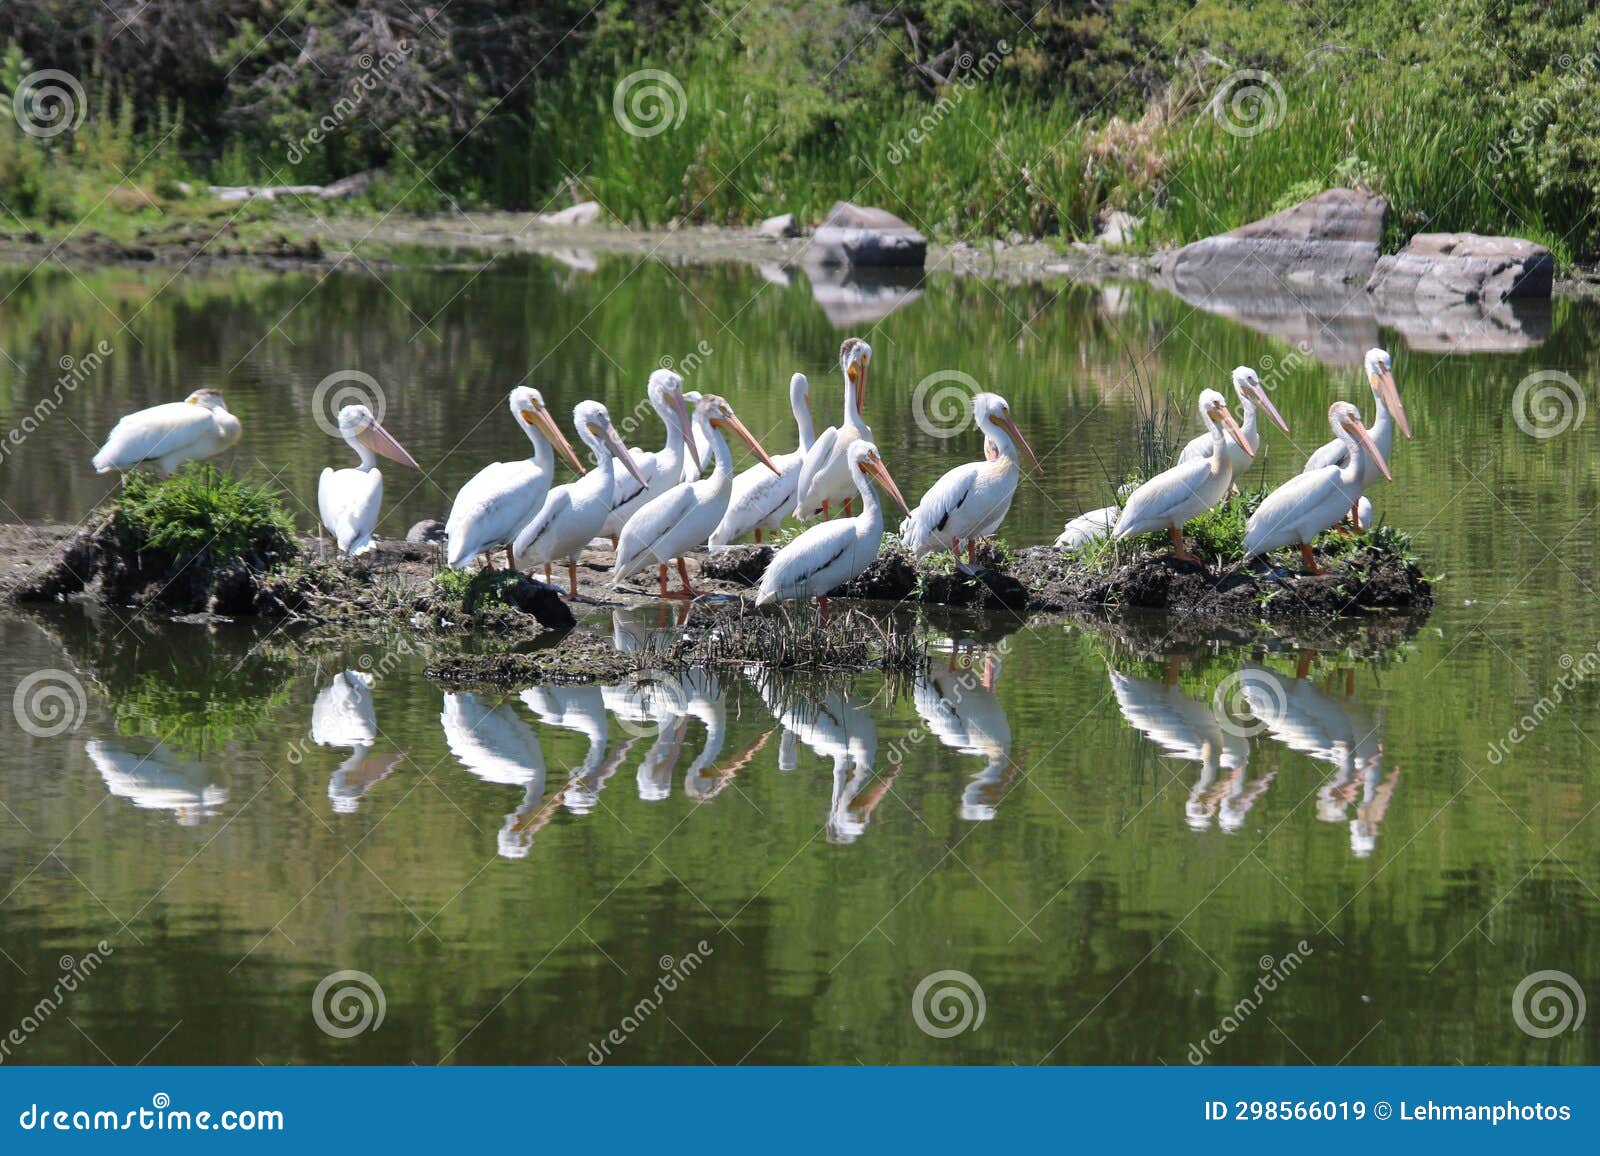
<point x="493" y="743"/>
<point x="153" y="777"/>
<point x="343" y="717"/>
<point x="959" y="707"/>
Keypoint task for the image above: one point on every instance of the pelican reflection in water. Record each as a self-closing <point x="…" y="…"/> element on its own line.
<point x="1186" y="728"/>
<point x="343" y="717"/>
<point x="156" y="779"/>
<point x="959" y="707"/>
<point x="1337" y="730"/>
<point x="493" y="743"/>
<point x="839" y="727"/>
<point x="581" y="709"/>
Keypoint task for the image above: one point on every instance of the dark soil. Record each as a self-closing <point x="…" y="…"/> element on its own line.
<point x="1370" y="581"/>
<point x="895" y="576"/>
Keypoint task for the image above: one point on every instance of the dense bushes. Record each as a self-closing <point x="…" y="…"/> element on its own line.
<point x="970" y="117"/>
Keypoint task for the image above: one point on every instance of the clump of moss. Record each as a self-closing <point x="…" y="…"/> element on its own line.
<point x="204" y="516"/>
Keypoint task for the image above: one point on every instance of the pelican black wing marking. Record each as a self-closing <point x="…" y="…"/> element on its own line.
<point x="959" y="503"/>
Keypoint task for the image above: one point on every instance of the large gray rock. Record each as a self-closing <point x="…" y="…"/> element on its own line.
<point x="1463" y="267"/>
<point x="858" y="235"/>
<point x="1327" y="241"/>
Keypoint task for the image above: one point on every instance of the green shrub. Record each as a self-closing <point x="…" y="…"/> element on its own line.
<point x="202" y="513"/>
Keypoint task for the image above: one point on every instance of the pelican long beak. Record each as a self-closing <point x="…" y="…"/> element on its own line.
<point x="681" y="409"/>
<point x="1016" y="435"/>
<point x="858" y="379"/>
<point x="608" y="434"/>
<point x="1383" y="385"/>
<point x="1358" y="431"/>
<point x="1259" y="396"/>
<point x="731" y="421"/>
<point x="877" y="469"/>
<point x="1226" y="419"/>
<point x="539" y="417"/>
<point x="379" y="441"/>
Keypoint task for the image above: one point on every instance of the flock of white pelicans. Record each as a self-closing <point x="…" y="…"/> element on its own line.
<point x="659" y="506"/>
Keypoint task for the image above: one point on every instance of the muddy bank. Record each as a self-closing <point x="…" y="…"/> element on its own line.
<point x="1364" y="581"/>
<point x="185" y="242"/>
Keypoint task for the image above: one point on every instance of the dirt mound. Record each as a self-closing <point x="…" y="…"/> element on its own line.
<point x="1365" y="581"/>
<point x="895" y="576"/>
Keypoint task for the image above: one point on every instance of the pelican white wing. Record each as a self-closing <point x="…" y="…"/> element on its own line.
<point x="167" y="436"/>
<point x="970" y="501"/>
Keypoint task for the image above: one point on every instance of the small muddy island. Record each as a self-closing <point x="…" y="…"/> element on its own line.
<point x="156" y="556"/>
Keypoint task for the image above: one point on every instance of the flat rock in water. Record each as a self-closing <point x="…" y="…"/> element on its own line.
<point x="862" y="235"/>
<point x="427" y="530"/>
<point x="1463" y="267"/>
<point x="780" y="226"/>
<point x="1330" y="239"/>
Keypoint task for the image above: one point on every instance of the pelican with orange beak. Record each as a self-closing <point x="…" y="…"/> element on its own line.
<point x="825" y="474"/>
<point x="348" y="500"/>
<point x="669" y="526"/>
<point x="1189" y="488"/>
<point x="1309" y="503"/>
<point x="1253" y="401"/>
<point x="503" y="497"/>
<point x="1388" y="413"/>
<point x="825" y="557"/>
<point x="971" y="501"/>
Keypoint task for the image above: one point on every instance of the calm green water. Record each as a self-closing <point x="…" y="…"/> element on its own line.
<point x="1063" y="817"/>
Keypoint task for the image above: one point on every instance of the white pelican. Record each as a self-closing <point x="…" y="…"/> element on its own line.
<point x="962" y="711"/>
<point x="1252" y="399"/>
<point x="573" y="514"/>
<point x="1086" y="528"/>
<point x="1189" y="488"/>
<point x="498" y="747"/>
<point x="1389" y="412"/>
<point x="971" y="501"/>
<point x="343" y="717"/>
<point x="503" y="496"/>
<point x="662" y="469"/>
<point x="1307" y="504"/>
<point x="827" y="556"/>
<point x="154" y="778"/>
<point x="761" y="499"/>
<point x="348" y="500"/>
<point x="825" y="474"/>
<point x="682" y="518"/>
<point x="169" y="435"/>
